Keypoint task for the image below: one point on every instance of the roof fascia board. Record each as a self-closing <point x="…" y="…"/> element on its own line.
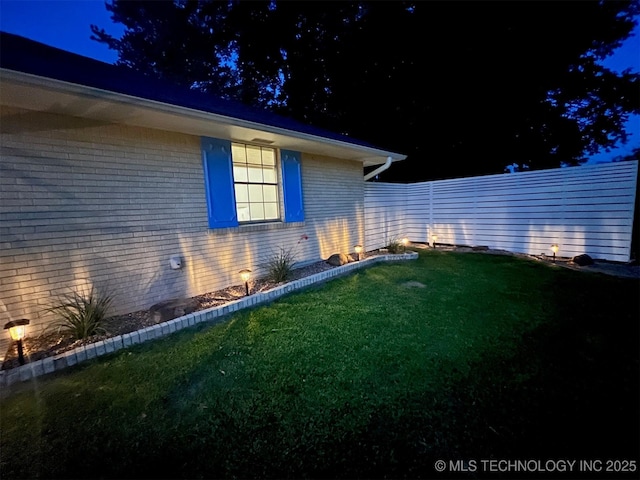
<point x="366" y="154"/>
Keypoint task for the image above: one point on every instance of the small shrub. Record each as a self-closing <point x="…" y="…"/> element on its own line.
<point x="280" y="264"/>
<point x="394" y="245"/>
<point x="82" y="314"/>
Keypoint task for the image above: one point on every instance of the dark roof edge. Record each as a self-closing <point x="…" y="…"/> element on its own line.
<point x="28" y="56"/>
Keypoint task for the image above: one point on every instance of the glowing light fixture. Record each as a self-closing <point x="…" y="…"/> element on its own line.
<point x="358" y="249"/>
<point x="434" y="238"/>
<point x="554" y="249"/>
<point x="245" y="275"/>
<point x="405" y="242"/>
<point x="17" y="330"/>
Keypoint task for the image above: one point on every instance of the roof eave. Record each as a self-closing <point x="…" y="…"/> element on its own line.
<point x="33" y="92"/>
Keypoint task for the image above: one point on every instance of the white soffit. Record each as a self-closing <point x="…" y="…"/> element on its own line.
<point x="41" y="94"/>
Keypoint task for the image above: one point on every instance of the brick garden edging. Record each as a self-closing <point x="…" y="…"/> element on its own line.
<point x="110" y="345"/>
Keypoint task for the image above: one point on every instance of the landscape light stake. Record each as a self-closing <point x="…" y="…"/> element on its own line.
<point x="405" y="242"/>
<point x="16" y="331"/>
<point x="245" y="275"/>
<point x="435" y="239"/>
<point x="358" y="249"/>
<point x="554" y="248"/>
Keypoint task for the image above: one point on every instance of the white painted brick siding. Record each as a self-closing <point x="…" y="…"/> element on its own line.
<point x="87" y="203"/>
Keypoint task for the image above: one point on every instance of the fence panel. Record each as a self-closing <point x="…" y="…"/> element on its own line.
<point x="586" y="209"/>
<point x="385" y="207"/>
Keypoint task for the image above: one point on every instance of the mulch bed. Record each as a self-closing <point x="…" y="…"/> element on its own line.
<point x="52" y="342"/>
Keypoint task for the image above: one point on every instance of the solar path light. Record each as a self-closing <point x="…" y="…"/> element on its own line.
<point x="245" y="275"/>
<point x="17" y="330"/>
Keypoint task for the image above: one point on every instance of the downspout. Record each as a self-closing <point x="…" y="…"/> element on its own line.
<point x="378" y="170"/>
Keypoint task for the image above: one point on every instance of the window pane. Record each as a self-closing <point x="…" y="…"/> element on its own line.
<point x="270" y="193"/>
<point x="242" y="194"/>
<point x="238" y="153"/>
<point x="257" y="211"/>
<point x="268" y="157"/>
<point x="255" y="182"/>
<point x="239" y="173"/>
<point x="255" y="174"/>
<point x="243" y="212"/>
<point x="255" y="193"/>
<point x="270" y="211"/>
<point x="269" y="175"/>
<point x="253" y="155"/>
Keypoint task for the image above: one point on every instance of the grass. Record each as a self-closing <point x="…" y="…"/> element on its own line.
<point x="496" y="357"/>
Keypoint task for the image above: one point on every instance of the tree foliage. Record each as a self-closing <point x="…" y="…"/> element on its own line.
<point x="463" y="88"/>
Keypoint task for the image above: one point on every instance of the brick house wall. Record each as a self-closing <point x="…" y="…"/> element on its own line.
<point x="90" y="203"/>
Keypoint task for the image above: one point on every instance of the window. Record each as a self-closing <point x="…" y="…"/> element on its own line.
<point x="242" y="183"/>
<point x="255" y="179"/>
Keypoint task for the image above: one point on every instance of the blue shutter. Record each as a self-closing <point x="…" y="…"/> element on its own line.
<point x="218" y="179"/>
<point x="292" y="186"/>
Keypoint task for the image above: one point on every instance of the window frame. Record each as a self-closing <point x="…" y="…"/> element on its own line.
<point x="277" y="183"/>
<point x="220" y="191"/>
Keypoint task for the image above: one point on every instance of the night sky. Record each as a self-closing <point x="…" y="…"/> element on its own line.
<point x="65" y="24"/>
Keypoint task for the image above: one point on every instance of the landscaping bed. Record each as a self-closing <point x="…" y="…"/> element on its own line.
<point x="51" y="342"/>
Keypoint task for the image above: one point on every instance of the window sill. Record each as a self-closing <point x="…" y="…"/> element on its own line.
<point x="256" y="227"/>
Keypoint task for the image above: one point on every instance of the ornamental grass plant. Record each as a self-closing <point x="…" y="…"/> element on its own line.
<point x="280" y="264"/>
<point x="81" y="314"/>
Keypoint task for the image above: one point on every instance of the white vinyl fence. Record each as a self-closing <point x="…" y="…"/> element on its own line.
<point x="587" y="209"/>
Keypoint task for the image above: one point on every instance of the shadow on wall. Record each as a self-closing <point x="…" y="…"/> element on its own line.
<point x="336" y="235"/>
<point x="389" y="227"/>
<point x="130" y="288"/>
<point x="213" y="261"/>
<point x="167" y="282"/>
<point x="18" y="122"/>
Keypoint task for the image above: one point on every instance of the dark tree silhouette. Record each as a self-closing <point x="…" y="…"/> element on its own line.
<point x="463" y="88"/>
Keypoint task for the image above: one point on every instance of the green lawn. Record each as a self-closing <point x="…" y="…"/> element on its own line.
<point x="497" y="357"/>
